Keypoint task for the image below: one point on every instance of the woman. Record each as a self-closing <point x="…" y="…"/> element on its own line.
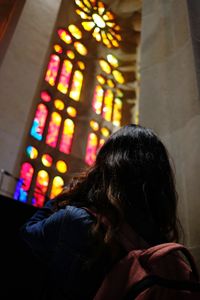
<point x="79" y="234"/>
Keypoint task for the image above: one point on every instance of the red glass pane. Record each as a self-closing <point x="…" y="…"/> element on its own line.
<point x="53" y="130"/>
<point x="39" y="121"/>
<point x="91" y="149"/>
<point x="52" y="69"/>
<point x="65" y="75"/>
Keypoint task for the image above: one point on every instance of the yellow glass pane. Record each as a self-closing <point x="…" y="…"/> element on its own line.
<point x="76" y="85"/>
<point x="64" y="36"/>
<point x="32" y="152"/>
<point x="47" y="160"/>
<point x="101" y="8"/>
<point x="105" y="132"/>
<point x="61" y="166"/>
<point x="83" y="15"/>
<point x="115" y="43"/>
<point x="100" y="79"/>
<point x="71" y="111"/>
<point x="87" y="3"/>
<point x="112" y="60"/>
<point x="75" y="32"/>
<point x="58" y="48"/>
<point x="105" y="66"/>
<point x="43" y="178"/>
<point x="59" y="104"/>
<point x="119" y="93"/>
<point x="98" y="20"/>
<point x="65" y="75"/>
<point x="107" y="108"/>
<point x="110" y="83"/>
<point x="88" y="25"/>
<point x="94" y="125"/>
<point x="70" y="54"/>
<point x="118" y="76"/>
<point x="98" y="99"/>
<point x="97" y="36"/>
<point x="81" y="65"/>
<point x="57" y="186"/>
<point x="108" y="16"/>
<point x="80" y="48"/>
<point x="117" y="112"/>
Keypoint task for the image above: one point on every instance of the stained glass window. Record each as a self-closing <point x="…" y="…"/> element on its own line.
<point x="47" y="160"/>
<point x="32" y="152"/>
<point x="80" y="48"/>
<point x="91" y="148"/>
<point x="39" y="121"/>
<point x="75" y="31"/>
<point x="41" y="186"/>
<point x="58" y="48"/>
<point x="76" y="86"/>
<point x="97" y="99"/>
<point x="57" y="186"/>
<point x="23" y="185"/>
<point x="45" y="96"/>
<point x="61" y="166"/>
<point x="117" y="112"/>
<point x="67" y="136"/>
<point x="59" y="104"/>
<point x="64" y="36"/>
<point x="52" y="69"/>
<point x="94" y="125"/>
<point x="72" y="112"/>
<point x="100" y="21"/>
<point x="65" y="75"/>
<point x="53" y="129"/>
<point x="107" y="108"/>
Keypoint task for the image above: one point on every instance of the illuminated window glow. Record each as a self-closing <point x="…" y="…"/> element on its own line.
<point x="117" y="112"/>
<point x="53" y="130"/>
<point x="75" y="32"/>
<point x="105" y="66"/>
<point x="64" y="36"/>
<point x="52" y="69"/>
<point x="67" y="136"/>
<point x="32" y="152"/>
<point x="100" y="21"/>
<point x="58" y="48"/>
<point x="80" y="48"/>
<point x="70" y="54"/>
<point x="98" y="99"/>
<point x="42" y="182"/>
<point x="91" y="149"/>
<point x="65" y="75"/>
<point x="71" y="111"/>
<point x="57" y="186"/>
<point x="39" y="121"/>
<point x="105" y="132"/>
<point x="118" y="76"/>
<point x="101" y="79"/>
<point x="76" y="86"/>
<point x="61" y="166"/>
<point x="45" y="96"/>
<point x="112" y="60"/>
<point x="23" y="184"/>
<point x="47" y="160"/>
<point x="59" y="104"/>
<point x="108" y="103"/>
<point x="94" y="125"/>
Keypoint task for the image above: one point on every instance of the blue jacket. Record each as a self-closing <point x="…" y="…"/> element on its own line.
<point x="62" y="240"/>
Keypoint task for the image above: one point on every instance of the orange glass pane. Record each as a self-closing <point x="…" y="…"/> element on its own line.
<point x="52" y="69"/>
<point x="41" y="186"/>
<point x="88" y="25"/>
<point x="107" y="107"/>
<point x="94" y="125"/>
<point x="81" y="65"/>
<point x="97" y="99"/>
<point x="57" y="186"/>
<point x="72" y="112"/>
<point x="91" y="149"/>
<point x="59" y="104"/>
<point x="64" y="36"/>
<point x="58" y="48"/>
<point x="117" y="112"/>
<point x="76" y="86"/>
<point x="47" y="160"/>
<point x="67" y="136"/>
<point x="65" y="75"/>
<point x="53" y="130"/>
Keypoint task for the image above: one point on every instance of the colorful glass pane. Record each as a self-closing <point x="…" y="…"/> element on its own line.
<point x="105" y="132"/>
<point x="112" y="60"/>
<point x="117" y="112"/>
<point x="65" y="75"/>
<point x="97" y="99"/>
<point x="70" y="54"/>
<point x="47" y="160"/>
<point x="105" y="66"/>
<point x="52" y="69"/>
<point x="41" y="186"/>
<point x="59" y="104"/>
<point x="80" y="48"/>
<point x="53" y="130"/>
<point x="58" y="48"/>
<point x="101" y="79"/>
<point x="91" y="149"/>
<point x="32" y="152"/>
<point x="45" y="96"/>
<point x="76" y="86"/>
<point x="64" y="36"/>
<point x="107" y="107"/>
<point x="94" y="125"/>
<point x="75" y="32"/>
<point x="67" y="136"/>
<point x="81" y="65"/>
<point x="61" y="166"/>
<point x="57" y="186"/>
<point x="39" y="121"/>
<point x="23" y="184"/>
<point x="118" y="76"/>
<point x="72" y="112"/>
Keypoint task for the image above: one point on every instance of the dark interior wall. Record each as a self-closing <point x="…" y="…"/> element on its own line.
<point x="22" y="275"/>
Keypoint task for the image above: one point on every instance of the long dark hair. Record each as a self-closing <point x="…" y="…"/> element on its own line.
<point x="131" y="181"/>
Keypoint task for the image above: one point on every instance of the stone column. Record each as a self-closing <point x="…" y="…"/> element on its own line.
<point x="170" y="104"/>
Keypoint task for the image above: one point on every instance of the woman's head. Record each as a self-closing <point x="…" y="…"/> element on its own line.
<point x="132" y="180"/>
